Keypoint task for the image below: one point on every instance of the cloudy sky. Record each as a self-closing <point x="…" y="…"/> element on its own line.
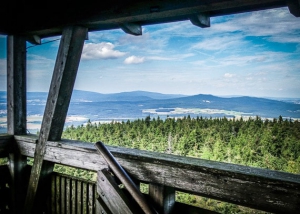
<point x="254" y="54"/>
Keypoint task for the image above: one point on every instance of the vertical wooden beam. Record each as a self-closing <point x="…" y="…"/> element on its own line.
<point x="16" y="85"/>
<point x="16" y="114"/>
<point x="163" y="198"/>
<point x="58" y="101"/>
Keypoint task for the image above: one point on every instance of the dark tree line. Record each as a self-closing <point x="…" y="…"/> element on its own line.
<point x="272" y="144"/>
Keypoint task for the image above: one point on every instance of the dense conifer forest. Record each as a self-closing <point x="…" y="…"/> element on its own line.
<point x="271" y="144"/>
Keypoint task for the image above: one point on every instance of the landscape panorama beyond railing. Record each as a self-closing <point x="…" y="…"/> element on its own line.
<point x="262" y="189"/>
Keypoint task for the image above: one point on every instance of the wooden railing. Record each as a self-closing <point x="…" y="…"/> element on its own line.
<point x="262" y="189"/>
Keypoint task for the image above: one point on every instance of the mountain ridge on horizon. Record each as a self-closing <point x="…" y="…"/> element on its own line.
<point x="139" y="104"/>
<point x="159" y="95"/>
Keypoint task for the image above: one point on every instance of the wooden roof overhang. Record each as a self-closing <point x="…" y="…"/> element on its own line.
<point x="44" y="19"/>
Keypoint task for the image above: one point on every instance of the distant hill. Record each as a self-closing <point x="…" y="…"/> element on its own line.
<point x="256" y="106"/>
<point x="88" y="96"/>
<point x="136" y="104"/>
<point x="123" y="96"/>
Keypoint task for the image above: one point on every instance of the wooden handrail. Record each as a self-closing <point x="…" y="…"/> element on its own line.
<point x="257" y="188"/>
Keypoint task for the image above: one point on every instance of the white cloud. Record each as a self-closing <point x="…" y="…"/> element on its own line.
<point x="103" y="50"/>
<point x="34" y="59"/>
<point x="219" y="43"/>
<point x="276" y="25"/>
<point x="134" y="60"/>
<point x="174" y="57"/>
<point x="228" y="75"/>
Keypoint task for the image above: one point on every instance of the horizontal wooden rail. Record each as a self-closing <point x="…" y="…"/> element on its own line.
<point x="262" y="189"/>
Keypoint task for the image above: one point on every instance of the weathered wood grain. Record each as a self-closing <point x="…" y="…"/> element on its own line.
<point x="16" y="114"/>
<point x="112" y="195"/>
<point x="162" y="197"/>
<point x="262" y="189"/>
<point x="16" y="85"/>
<point x="59" y="97"/>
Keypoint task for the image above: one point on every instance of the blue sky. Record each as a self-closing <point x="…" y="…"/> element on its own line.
<point x="254" y="54"/>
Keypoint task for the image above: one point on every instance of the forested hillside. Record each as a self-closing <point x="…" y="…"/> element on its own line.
<point x="272" y="144"/>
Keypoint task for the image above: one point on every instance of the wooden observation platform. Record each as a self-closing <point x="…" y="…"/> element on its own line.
<point x="39" y="190"/>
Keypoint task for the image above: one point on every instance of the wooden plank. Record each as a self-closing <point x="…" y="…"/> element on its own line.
<point x="16" y="85"/>
<point x="101" y="206"/>
<point x="112" y="195"/>
<point x="84" y="197"/>
<point x="162" y="197"/>
<point x="59" y="96"/>
<point x="74" y="199"/>
<point x="63" y="199"/>
<point x="68" y="196"/>
<point x="53" y="194"/>
<point x="79" y="197"/>
<point x="112" y="13"/>
<point x="16" y="115"/>
<point x="57" y="194"/>
<point x="91" y="198"/>
<point x="226" y="182"/>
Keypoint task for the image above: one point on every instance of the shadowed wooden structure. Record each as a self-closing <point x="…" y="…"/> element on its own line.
<point x="39" y="190"/>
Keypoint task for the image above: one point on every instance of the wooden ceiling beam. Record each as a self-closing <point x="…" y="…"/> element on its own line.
<point x="112" y="14"/>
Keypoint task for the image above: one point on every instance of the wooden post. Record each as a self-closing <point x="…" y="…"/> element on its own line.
<point x="163" y="198"/>
<point x="16" y="114"/>
<point x="58" y="101"/>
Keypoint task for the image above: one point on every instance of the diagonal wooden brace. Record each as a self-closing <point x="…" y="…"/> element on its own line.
<point x="57" y="105"/>
<point x="124" y="178"/>
<point x="111" y="194"/>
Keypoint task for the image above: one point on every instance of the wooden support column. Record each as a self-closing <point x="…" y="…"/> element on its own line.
<point x="162" y="197"/>
<point x="58" y="101"/>
<point x="16" y="114"/>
